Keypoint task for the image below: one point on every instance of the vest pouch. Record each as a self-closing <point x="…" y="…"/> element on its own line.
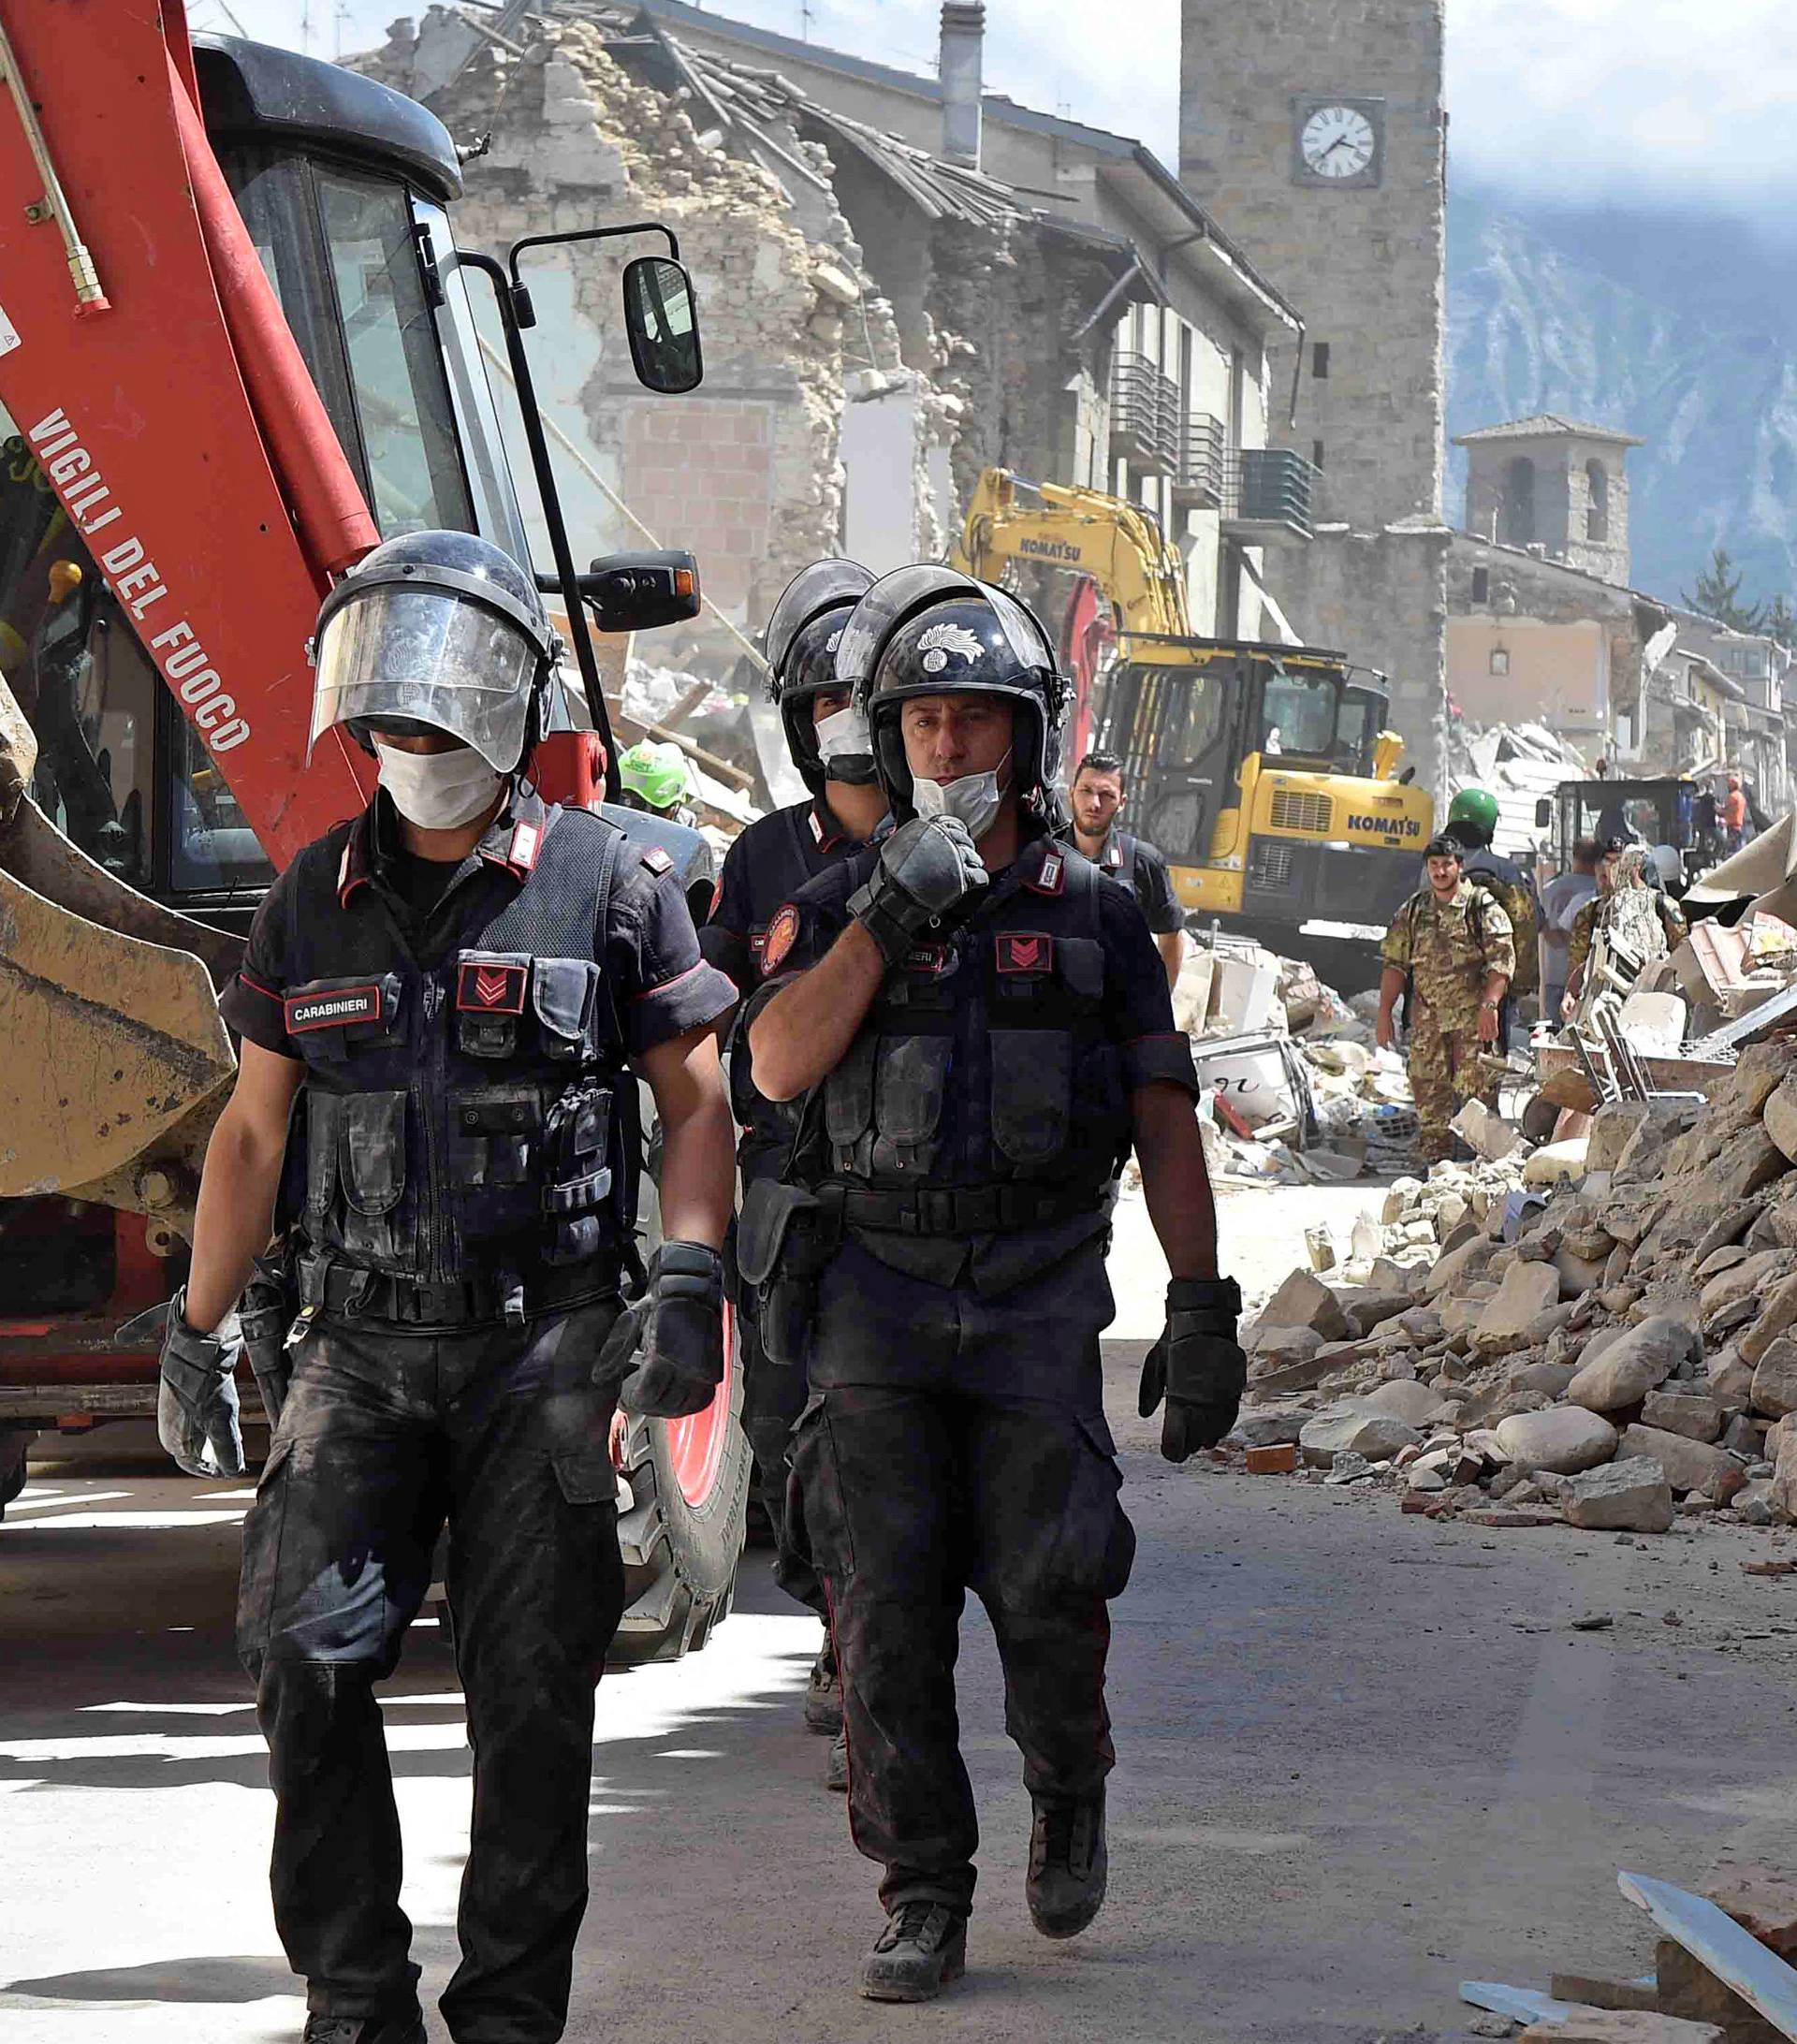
<point x="910" y="1087"/>
<point x="371" y="1166"/>
<point x="1080" y="966"/>
<point x="490" y="987"/>
<point x="561" y="995"/>
<point x="494" y="1152"/>
<point x="577" y="1147"/>
<point x="778" y="1260"/>
<point x="324" y="1131"/>
<point x="331" y="1019"/>
<point x="1032" y="1092"/>
<point x="848" y="1103"/>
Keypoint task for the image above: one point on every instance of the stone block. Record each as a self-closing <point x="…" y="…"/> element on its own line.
<point x="1742" y="1281"/>
<point x="1612" y="1126"/>
<point x="1527" y="1289"/>
<point x="1779" y="1116"/>
<point x="1596" y="1991"/>
<point x="1370" y="1308"/>
<point x="1562" y="1440"/>
<point x="1458" y="1266"/>
<point x="1355" y="1430"/>
<point x="1636" y="1361"/>
<point x="1274" y="1347"/>
<point x="1697" y="1417"/>
<point x="1776" y="1317"/>
<point x="1730" y="1375"/>
<point x="1689" y="1465"/>
<point x="1761" y="1899"/>
<point x="1622" y="2026"/>
<point x="1631" y="1497"/>
<point x="1304" y="1301"/>
<point x="1267" y="1429"/>
<point x="1774" y="1390"/>
<point x="1781" y="1452"/>
<point x="1688" y="1989"/>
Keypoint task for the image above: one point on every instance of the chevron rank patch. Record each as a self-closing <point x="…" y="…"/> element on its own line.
<point x="490" y="987"/>
<point x="1024" y="951"/>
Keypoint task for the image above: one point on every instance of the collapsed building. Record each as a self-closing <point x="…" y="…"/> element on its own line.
<point x="902" y="281"/>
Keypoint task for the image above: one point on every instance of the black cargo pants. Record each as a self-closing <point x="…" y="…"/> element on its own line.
<point x="385" y="1433"/>
<point x="773" y="1397"/>
<point x="953" y="1443"/>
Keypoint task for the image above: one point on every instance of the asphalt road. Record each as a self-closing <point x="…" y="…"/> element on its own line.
<point x="1360" y="1757"/>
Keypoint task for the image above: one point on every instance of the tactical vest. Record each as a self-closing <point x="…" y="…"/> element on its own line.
<point x="475" y="1119"/>
<point x="985" y="1058"/>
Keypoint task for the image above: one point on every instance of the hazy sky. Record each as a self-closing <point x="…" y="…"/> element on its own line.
<point x="1665" y="97"/>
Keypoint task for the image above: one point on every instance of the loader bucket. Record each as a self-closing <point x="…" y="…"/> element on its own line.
<point x="109" y="1039"/>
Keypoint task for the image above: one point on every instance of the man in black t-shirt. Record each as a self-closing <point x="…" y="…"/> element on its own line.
<point x="1095" y="798"/>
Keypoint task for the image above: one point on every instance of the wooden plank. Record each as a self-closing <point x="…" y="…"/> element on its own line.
<point x="1718" y="1941"/>
<point x="1521" y="2004"/>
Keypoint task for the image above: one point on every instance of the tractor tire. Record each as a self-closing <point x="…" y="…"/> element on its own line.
<point x="680" y="1529"/>
<point x="14" y="1440"/>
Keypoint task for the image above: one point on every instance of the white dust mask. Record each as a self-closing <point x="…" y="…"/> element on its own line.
<point x="438" y="791"/>
<point x="846" y="746"/>
<point x="974" y="800"/>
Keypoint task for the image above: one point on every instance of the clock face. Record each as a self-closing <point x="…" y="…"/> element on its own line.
<point x="1337" y="142"/>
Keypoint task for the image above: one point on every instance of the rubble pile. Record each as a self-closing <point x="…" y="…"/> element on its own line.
<point x="1722" y="1970"/>
<point x="1295" y="1092"/>
<point x="1607" y="1352"/>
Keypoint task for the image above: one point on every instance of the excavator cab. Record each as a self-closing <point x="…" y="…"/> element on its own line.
<point x="1264" y="773"/>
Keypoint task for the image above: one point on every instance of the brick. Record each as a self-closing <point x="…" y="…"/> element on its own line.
<point x="1278" y="1460"/>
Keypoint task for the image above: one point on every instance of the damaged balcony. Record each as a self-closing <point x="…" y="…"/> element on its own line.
<point x="1267" y="494"/>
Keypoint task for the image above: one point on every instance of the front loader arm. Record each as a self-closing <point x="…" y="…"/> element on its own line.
<point x="173" y="416"/>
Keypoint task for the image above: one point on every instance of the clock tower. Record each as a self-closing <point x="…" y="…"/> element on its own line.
<point x="1313" y="132"/>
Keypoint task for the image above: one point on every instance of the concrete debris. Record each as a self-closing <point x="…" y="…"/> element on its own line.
<point x="1614" y="1352"/>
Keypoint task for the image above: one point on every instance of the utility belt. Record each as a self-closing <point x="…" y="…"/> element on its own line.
<point x="329" y="1286"/>
<point x="786" y="1235"/>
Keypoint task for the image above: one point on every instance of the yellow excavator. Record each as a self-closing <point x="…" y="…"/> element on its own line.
<point x="1265" y="773"/>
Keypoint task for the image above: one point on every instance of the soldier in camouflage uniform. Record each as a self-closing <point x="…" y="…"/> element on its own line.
<point x="1472" y="822"/>
<point x="1451" y="943"/>
<point x="1623" y="868"/>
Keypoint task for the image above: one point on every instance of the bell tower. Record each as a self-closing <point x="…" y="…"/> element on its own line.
<point x="1314" y="133"/>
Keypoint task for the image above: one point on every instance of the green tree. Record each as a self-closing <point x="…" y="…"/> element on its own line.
<point x="1718" y="595"/>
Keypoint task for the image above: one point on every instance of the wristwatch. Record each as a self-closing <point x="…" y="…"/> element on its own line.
<point x="1492" y="1007"/>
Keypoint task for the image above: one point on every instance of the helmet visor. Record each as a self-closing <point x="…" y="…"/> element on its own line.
<point x="428" y="656"/>
<point x="895" y="596"/>
<point x="825" y="584"/>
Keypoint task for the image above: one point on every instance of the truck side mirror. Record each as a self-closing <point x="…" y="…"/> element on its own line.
<point x="662" y="323"/>
<point x="1544" y="814"/>
<point x="638" y="592"/>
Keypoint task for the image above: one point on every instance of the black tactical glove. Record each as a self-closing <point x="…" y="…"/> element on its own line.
<point x="926" y="867"/>
<point x="197" y="1401"/>
<point x="671" y="1341"/>
<point x="1197" y="1365"/>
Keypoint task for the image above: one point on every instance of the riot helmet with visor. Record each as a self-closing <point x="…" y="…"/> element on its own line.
<point x="799" y="644"/>
<point x="436" y="632"/>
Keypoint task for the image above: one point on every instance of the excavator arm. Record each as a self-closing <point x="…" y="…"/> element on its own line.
<point x="1057" y="525"/>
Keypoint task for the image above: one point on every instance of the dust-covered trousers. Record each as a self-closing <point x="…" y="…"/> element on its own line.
<point x="386" y="1433"/>
<point x="773" y="1397"/>
<point x="950" y="1442"/>
<point x="1448" y="1067"/>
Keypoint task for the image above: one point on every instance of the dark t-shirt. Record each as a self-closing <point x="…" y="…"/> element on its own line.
<point x="649" y="948"/>
<point x="768" y="865"/>
<point x="1141" y="867"/>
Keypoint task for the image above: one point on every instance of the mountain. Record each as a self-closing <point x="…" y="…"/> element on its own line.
<point x="1673" y="325"/>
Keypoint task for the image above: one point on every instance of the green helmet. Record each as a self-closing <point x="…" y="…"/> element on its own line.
<point x="1477" y="806"/>
<point x="654" y="773"/>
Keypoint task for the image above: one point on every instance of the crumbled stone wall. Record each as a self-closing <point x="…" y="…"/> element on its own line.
<point x="744" y="470"/>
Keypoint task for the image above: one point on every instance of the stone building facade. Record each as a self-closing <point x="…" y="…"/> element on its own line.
<point x="1553" y="484"/>
<point x="895" y="293"/>
<point x="1315" y="131"/>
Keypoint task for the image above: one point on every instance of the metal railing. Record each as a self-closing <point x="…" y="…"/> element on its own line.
<point x="1204" y="458"/>
<point x="1269" y="487"/>
<point x="1144" y="412"/>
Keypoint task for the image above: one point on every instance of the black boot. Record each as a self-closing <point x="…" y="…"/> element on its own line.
<point x="922" y="1948"/>
<point x="835" y="1768"/>
<point x="823" y="1694"/>
<point x="403" y="2026"/>
<point x="1067" y="1865"/>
